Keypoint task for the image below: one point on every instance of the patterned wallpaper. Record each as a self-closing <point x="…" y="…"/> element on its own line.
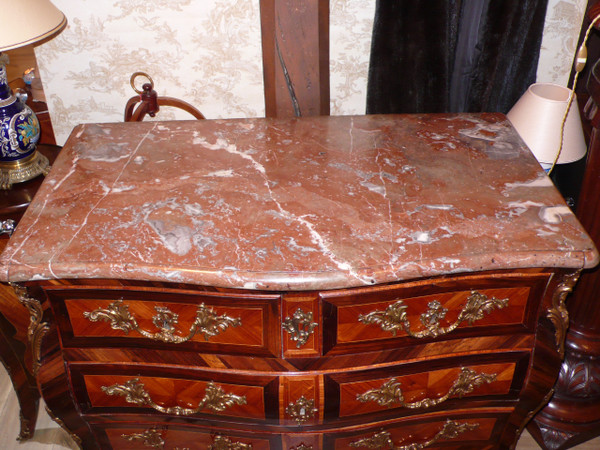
<point x="208" y="53"/>
<point x="561" y="32"/>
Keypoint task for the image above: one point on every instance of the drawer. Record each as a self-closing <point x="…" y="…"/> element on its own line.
<point x="404" y="315"/>
<point x="456" y="431"/>
<point x="409" y="389"/>
<point x="202" y="322"/>
<point x="161" y="436"/>
<point x="304" y="399"/>
<point x="118" y="390"/>
<point x="353" y="398"/>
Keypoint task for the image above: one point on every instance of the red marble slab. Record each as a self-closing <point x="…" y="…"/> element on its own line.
<point x="319" y="202"/>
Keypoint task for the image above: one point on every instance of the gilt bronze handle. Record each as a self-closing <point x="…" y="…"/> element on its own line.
<point x="150" y="438"/>
<point x="214" y="399"/>
<point x="383" y="439"/>
<point x="224" y="443"/>
<point x="206" y="322"/>
<point x="300" y="326"/>
<point x="394" y="318"/>
<point x="37" y="329"/>
<point x="558" y="313"/>
<point x="390" y="393"/>
<point x="302" y="410"/>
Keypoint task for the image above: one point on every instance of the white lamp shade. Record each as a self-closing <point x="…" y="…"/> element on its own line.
<point x="29" y="21"/>
<point x="538" y="116"/>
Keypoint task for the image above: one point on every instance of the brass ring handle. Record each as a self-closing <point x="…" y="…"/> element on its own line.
<point x="215" y="398"/>
<point x="134" y="75"/>
<point x="395" y="318"/>
<point x="206" y="322"/>
<point x="450" y="430"/>
<point x="390" y="393"/>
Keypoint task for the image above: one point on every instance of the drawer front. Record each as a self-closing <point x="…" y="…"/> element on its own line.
<point x="143" y="390"/>
<point x="353" y="398"/>
<point x="207" y="322"/>
<point x="300" y="326"/>
<point x="398" y="391"/>
<point x="160" y="436"/>
<point x="300" y="401"/>
<point x="365" y="320"/>
<point x="471" y="432"/>
<point x="452" y="432"/>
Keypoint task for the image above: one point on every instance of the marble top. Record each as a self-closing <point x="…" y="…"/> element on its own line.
<point x="293" y="204"/>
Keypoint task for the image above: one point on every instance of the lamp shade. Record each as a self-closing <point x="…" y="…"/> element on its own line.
<point x="29" y="21"/>
<point x="538" y="116"/>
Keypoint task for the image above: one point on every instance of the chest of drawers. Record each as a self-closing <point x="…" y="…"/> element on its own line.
<point x="324" y="283"/>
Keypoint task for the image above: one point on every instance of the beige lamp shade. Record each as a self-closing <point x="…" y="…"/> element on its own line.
<point x="29" y="21"/>
<point x="537" y="117"/>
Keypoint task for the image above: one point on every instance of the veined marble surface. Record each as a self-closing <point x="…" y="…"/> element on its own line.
<point x="326" y="202"/>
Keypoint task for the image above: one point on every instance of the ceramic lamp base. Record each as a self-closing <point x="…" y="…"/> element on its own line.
<point x="23" y="169"/>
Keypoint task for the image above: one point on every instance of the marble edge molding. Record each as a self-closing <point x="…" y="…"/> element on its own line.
<point x="277" y="280"/>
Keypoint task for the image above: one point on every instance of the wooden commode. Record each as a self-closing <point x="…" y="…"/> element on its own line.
<point x="364" y="282"/>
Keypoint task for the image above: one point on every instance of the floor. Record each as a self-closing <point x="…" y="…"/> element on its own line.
<point x="49" y="436"/>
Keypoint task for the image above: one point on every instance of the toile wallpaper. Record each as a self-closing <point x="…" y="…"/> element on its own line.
<point x="208" y="53"/>
<point x="559" y="43"/>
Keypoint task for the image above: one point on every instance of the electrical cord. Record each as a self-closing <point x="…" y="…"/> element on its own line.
<point x="580" y="62"/>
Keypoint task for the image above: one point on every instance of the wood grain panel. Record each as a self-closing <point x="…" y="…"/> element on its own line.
<point x="416" y="434"/>
<point x="293" y="390"/>
<point x="295" y="45"/>
<point x="13" y="311"/>
<point x="250" y="331"/>
<point x="307" y="305"/>
<point x="257" y="332"/>
<point x="170" y="392"/>
<point x="350" y="328"/>
<point x="345" y="331"/>
<point x="140" y="438"/>
<point x="328" y="384"/>
<point x="416" y="387"/>
<point x="293" y="441"/>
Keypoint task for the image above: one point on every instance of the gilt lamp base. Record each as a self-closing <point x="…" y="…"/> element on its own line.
<point x="23" y="170"/>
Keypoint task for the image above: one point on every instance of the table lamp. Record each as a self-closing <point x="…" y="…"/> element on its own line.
<point x="547" y="116"/>
<point x="33" y="21"/>
<point x="538" y="118"/>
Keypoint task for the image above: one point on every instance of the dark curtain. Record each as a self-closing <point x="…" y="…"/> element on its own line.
<point x="453" y="55"/>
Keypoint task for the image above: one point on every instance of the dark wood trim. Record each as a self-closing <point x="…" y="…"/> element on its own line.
<point x="573" y="414"/>
<point x="295" y="45"/>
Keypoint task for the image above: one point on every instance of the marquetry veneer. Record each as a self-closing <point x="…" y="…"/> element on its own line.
<point x="381" y="359"/>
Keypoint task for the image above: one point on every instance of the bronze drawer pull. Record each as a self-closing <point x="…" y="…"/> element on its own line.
<point x="383" y="439"/>
<point x="302" y="410"/>
<point x="394" y="318"/>
<point x="390" y="391"/>
<point x="224" y="443"/>
<point x="300" y="326"/>
<point x="150" y="438"/>
<point x="37" y="329"/>
<point x="214" y="399"/>
<point x="207" y="322"/>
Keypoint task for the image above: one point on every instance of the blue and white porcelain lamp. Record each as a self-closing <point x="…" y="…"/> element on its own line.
<point x="31" y="22"/>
